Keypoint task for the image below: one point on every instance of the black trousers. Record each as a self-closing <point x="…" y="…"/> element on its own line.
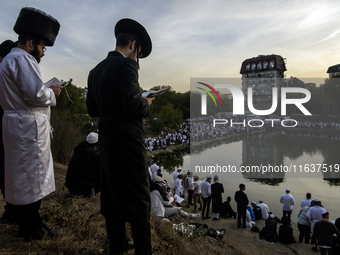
<point x="304" y="233"/>
<point x="287" y="213"/>
<point x="206" y="206"/>
<point x="141" y="234"/>
<point x="190" y="193"/>
<point x="241" y="214"/>
<point x="30" y="222"/>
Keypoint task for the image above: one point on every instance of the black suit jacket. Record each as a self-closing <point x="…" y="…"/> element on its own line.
<point x="241" y="199"/>
<point x="114" y="95"/>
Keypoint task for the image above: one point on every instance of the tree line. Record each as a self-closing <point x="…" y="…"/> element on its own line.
<point x="71" y="123"/>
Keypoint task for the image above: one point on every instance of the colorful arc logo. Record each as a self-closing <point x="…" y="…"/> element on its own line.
<point x="212" y="89"/>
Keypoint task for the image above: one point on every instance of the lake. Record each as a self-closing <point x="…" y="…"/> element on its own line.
<point x="304" y="162"/>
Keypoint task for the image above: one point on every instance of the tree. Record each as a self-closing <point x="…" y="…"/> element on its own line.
<point x="70" y="122"/>
<point x="170" y="117"/>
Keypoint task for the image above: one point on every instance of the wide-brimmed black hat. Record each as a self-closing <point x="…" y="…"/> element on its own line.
<point x="37" y="22"/>
<point x="132" y="27"/>
<point x="5" y="47"/>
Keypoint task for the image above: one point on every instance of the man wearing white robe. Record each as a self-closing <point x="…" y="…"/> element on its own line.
<point x="26" y="102"/>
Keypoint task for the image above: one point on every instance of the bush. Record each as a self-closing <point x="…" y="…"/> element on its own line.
<point x="67" y="133"/>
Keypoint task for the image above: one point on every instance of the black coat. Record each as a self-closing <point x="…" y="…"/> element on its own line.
<point x="241" y="199"/>
<point x="216" y="191"/>
<point x="114" y="96"/>
<point x="83" y="170"/>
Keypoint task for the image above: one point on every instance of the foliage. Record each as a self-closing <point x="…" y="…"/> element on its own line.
<point x="170" y="117"/>
<point x="70" y="122"/>
<point x="179" y="101"/>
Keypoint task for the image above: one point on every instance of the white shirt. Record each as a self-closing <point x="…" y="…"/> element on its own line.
<point x="264" y="210"/>
<point x="206" y="189"/>
<point x="198" y="184"/>
<point x="287" y="201"/>
<point x="154" y="168"/>
<point x="175" y="175"/>
<point x="178" y="187"/>
<point x="306" y="202"/>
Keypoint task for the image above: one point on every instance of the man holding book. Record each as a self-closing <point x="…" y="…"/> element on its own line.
<point x="114" y="96"/>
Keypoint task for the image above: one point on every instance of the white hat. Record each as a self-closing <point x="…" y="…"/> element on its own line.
<point x="158" y="179"/>
<point x="253" y="202"/>
<point x="92" y="138"/>
<point x="287" y="190"/>
<point x="271" y="216"/>
<point x="179" y="169"/>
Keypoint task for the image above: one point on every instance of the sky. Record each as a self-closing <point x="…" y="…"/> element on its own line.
<point x="191" y="39"/>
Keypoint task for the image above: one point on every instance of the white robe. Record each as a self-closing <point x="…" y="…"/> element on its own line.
<point x="26" y="102"/>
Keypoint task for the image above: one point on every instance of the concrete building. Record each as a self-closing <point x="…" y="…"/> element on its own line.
<point x="262" y="73"/>
<point x="334" y="71"/>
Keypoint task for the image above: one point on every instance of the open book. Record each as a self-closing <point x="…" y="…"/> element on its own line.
<point x="155" y="93"/>
<point x="55" y="81"/>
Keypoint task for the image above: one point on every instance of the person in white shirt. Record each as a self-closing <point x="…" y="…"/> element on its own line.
<point x="206" y="194"/>
<point x="314" y="213"/>
<point x="264" y="209"/>
<point x="287" y="201"/>
<point x="175" y="175"/>
<point x="307" y="201"/>
<point x="178" y="186"/>
<point x="197" y="193"/>
<point x="154" y="167"/>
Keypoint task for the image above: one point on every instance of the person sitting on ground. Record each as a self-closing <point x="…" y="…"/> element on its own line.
<point x="227" y="211"/>
<point x="286" y="232"/>
<point x="249" y="222"/>
<point x="160" y="207"/>
<point x="257" y="211"/>
<point x="269" y="232"/>
<point x="82" y="178"/>
<point x="264" y="209"/>
<point x="158" y="184"/>
<point x="168" y="193"/>
<point x="251" y="212"/>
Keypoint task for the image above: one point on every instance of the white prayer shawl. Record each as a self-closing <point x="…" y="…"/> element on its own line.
<point x="26" y="102"/>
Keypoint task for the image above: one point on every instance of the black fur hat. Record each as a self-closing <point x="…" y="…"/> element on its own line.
<point x="133" y="27"/>
<point x="37" y="22"/>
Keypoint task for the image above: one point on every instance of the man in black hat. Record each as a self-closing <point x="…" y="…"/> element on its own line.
<point x="114" y="96"/>
<point x="26" y="102"/>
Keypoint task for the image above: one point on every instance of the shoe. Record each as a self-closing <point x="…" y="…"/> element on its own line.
<point x="215" y="219"/>
<point x="208" y="217"/>
<point x="222" y="232"/>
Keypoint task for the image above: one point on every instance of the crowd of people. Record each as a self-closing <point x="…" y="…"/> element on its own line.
<point x="181" y="137"/>
<point x="204" y="196"/>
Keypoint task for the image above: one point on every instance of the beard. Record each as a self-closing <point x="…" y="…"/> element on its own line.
<point x="36" y="54"/>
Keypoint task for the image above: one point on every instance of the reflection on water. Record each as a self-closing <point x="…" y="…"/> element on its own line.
<point x="268" y="150"/>
<point x="276" y="148"/>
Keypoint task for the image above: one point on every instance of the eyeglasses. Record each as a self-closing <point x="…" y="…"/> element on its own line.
<point x="43" y="48"/>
